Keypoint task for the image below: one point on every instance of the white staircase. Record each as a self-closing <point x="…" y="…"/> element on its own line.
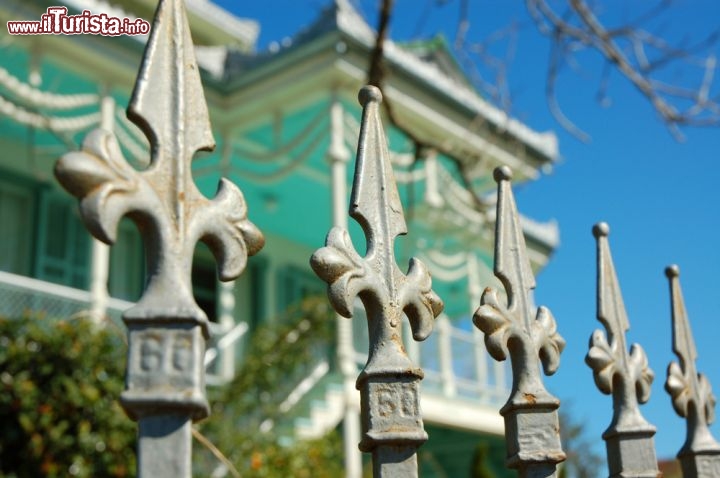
<point x="325" y="413"/>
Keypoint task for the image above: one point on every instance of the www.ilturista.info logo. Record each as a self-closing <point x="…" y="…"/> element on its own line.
<point x="57" y="22"/>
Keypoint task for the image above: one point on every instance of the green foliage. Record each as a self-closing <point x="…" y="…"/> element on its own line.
<point x="60" y="381"/>
<point x="247" y="424"/>
<point x="59" y="384"/>
<point x="480" y="467"/>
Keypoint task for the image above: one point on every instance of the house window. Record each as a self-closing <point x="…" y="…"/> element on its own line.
<point x="17" y="207"/>
<point x="127" y="270"/>
<point x="127" y="263"/>
<point x="256" y="275"/>
<point x="295" y="284"/>
<point x="63" y="249"/>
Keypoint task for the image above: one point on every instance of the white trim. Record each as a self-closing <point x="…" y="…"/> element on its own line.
<point x="305" y="386"/>
<point x="64" y="292"/>
<point x="228" y="339"/>
<point x="353" y="24"/>
<point x="240" y="28"/>
<point x="465" y="415"/>
<point x="44" y="287"/>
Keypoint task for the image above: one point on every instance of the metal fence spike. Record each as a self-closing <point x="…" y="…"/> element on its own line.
<point x="374" y="205"/>
<point x="171" y="63"/>
<point x="389" y="383"/>
<point x="691" y="392"/>
<point x="167" y="330"/>
<point x="531" y="421"/>
<point x="629" y="438"/>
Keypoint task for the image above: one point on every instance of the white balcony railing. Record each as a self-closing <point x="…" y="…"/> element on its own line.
<point x="454" y="359"/>
<point x="21" y="296"/>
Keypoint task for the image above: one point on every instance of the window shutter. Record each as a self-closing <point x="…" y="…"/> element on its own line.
<point x="63" y="250"/>
<point x="127" y="263"/>
<point x="16" y="228"/>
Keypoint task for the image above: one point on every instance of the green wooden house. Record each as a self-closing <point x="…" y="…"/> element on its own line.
<point x="286" y="122"/>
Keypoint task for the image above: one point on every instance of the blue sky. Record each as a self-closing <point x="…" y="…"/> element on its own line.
<point x="660" y="197"/>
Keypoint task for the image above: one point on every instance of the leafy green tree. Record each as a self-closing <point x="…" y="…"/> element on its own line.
<point x="59" y="383"/>
<point x="247" y="424"/>
<point x="480" y="467"/>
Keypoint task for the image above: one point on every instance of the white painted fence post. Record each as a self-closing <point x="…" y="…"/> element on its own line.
<point x="444" y="331"/>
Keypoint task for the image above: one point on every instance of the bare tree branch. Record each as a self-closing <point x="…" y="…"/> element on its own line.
<point x="215" y="451"/>
<point x="376" y="69"/>
<point x="376" y="77"/>
<point x="638" y="55"/>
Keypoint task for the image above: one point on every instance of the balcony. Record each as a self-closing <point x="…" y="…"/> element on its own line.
<point x="21" y="296"/>
<point x="459" y="376"/>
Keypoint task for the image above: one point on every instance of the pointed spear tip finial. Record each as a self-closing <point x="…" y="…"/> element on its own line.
<point x="502" y="173"/>
<point x="672" y="271"/>
<point x="368" y="94"/>
<point x="601" y="229"/>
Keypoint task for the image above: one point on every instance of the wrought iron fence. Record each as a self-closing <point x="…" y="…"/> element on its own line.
<point x="168" y="332"/>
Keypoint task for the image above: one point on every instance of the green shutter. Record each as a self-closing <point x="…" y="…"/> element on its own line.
<point x="127" y="263"/>
<point x="16" y="228"/>
<point x="63" y="247"/>
<point x="295" y="284"/>
<point x="257" y="275"/>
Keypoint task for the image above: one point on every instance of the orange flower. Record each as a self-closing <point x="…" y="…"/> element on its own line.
<point x="256" y="461"/>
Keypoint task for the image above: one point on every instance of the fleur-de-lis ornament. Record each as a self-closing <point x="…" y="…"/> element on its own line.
<point x="629" y="438"/>
<point x="532" y="431"/>
<point x="691" y="392"/>
<point x="165" y="385"/>
<point x="389" y="394"/>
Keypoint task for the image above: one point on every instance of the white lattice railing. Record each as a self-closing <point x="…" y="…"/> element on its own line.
<point x="21" y="295"/>
<point x="457" y="373"/>
<point x="223" y="341"/>
<point x="453" y="358"/>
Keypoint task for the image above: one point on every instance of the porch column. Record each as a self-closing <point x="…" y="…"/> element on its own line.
<point x="338" y="156"/>
<point x="100" y="258"/>
<point x="479" y="351"/>
<point x="432" y="188"/>
<point x="226" y="307"/>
